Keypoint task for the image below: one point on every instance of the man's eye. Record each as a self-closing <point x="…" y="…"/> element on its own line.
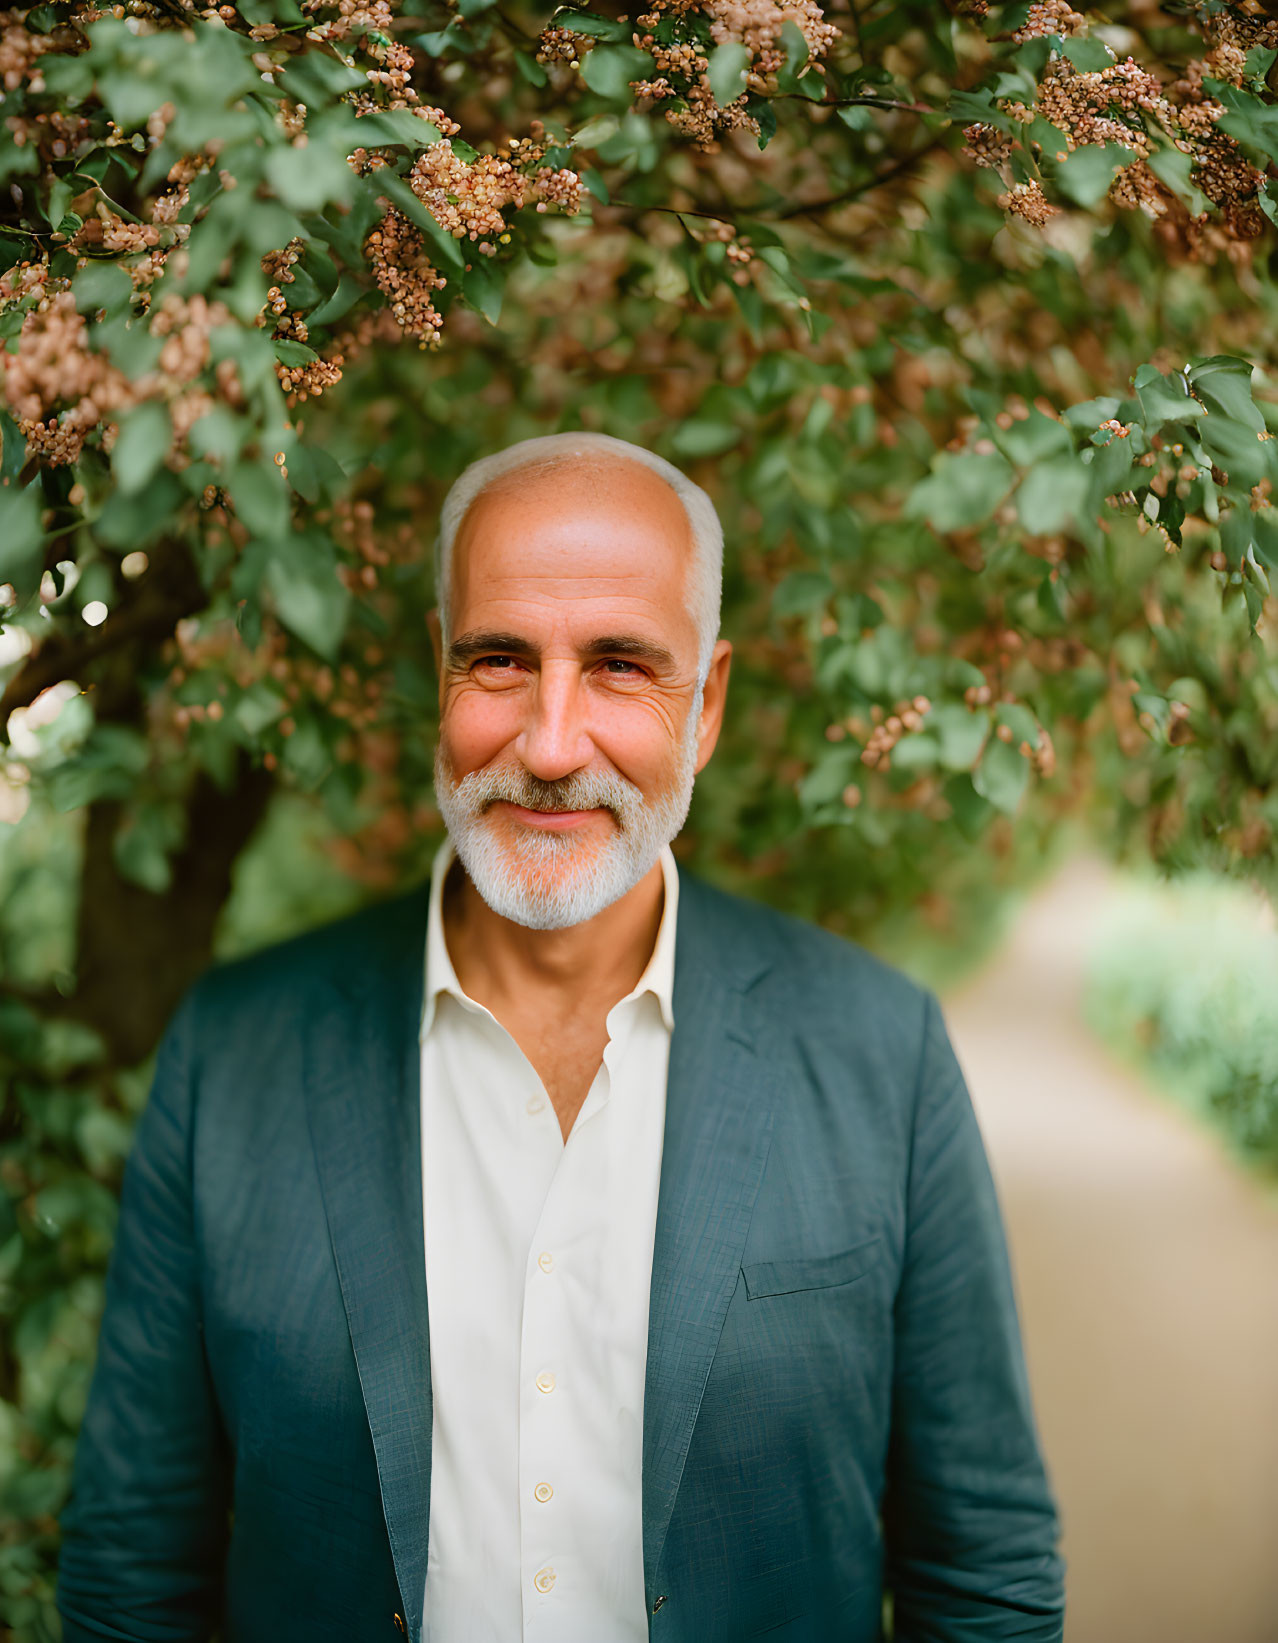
<point x="497" y="661"/>
<point x="618" y="666"/>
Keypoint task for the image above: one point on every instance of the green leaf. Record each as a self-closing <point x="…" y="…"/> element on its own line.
<point x="727" y="71"/>
<point x="1249" y="119"/>
<point x="698" y="437"/>
<point x="218" y="434"/>
<point x="102" y="285"/>
<point x="482" y="287"/>
<point x="309" y="599"/>
<point x="1264" y="537"/>
<point x="13" y="449"/>
<point x="960" y="734"/>
<point x="348" y="292"/>
<point x="977" y="108"/>
<point x="590" y="23"/>
<point x="530" y="69"/>
<point x="20" y="537"/>
<point x="399" y="125"/>
<point x="1092" y="412"/>
<point x="1088" y="54"/>
<point x="962" y="490"/>
<point x="1164" y="398"/>
<point x="1224" y="386"/>
<point x="608" y="70"/>
<point x="146" y="435"/>
<point x="1110" y="469"/>
<point x="794" y="44"/>
<point x="1052" y="494"/>
<point x="1236" y="530"/>
<point x="1085" y="175"/>
<point x="134" y="520"/>
<point x="308" y="179"/>
<point x="1037" y="437"/>
<point x="801" y="592"/>
<point x="262" y="499"/>
<point x="1175" y="170"/>
<point x="1001" y="776"/>
<point x="597" y="186"/>
<point x="143" y="846"/>
<point x="1019" y="720"/>
<point x="293" y="353"/>
<point x="106" y="767"/>
<point x="596" y="131"/>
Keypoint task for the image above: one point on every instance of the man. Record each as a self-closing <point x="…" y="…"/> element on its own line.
<point x="721" y="1338"/>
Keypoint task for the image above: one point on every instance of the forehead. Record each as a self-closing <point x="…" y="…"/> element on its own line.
<point x="575" y="540"/>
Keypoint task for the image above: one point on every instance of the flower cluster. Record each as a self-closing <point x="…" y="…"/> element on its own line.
<point x="681" y="64"/>
<point x="20" y="51"/>
<point x="1027" y="201"/>
<point x="1125" y="103"/>
<point x="907" y="716"/>
<point x="986" y="145"/>
<point x="57" y="389"/>
<point x="562" y="46"/>
<point x="406" y="277"/>
<point x="61" y="391"/>
<point x="1050" y="17"/>
<point x="757" y="24"/>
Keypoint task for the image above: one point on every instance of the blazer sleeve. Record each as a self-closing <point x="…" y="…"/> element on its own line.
<point x="969" y="1521"/>
<point x="144" y="1534"/>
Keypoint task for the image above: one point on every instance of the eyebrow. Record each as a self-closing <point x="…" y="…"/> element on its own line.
<point x="468" y="647"/>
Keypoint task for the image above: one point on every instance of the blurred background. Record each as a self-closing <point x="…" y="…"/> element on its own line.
<point x="964" y="313"/>
<point x="1121" y="1054"/>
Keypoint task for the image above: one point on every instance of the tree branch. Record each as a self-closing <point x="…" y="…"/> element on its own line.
<point x="170" y="590"/>
<point x="900" y="168"/>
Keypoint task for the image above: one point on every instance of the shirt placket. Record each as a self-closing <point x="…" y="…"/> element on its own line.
<point x="550" y="1393"/>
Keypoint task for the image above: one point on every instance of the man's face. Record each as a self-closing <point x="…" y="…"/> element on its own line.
<point x="571" y="723"/>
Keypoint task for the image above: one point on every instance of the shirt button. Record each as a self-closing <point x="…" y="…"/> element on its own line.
<point x="543" y="1492"/>
<point x="545" y="1260"/>
<point x="545" y="1381"/>
<point x="535" y="1105"/>
<point x="544" y="1579"/>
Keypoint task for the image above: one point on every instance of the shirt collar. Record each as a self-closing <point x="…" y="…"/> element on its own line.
<point x="441" y="977"/>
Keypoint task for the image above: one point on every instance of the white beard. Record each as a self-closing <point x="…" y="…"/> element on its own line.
<point x="550" y="881"/>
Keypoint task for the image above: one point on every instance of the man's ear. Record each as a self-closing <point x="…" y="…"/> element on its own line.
<point x="712" y="702"/>
<point x="436" y="637"/>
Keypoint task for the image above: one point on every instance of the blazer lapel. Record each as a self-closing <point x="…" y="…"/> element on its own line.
<point x="362" y="1079"/>
<point x="717" y="1133"/>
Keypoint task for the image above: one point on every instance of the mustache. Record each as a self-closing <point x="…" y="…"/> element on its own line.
<point x="582" y="790"/>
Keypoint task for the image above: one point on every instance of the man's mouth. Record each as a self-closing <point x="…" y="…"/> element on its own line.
<point x="551" y="821"/>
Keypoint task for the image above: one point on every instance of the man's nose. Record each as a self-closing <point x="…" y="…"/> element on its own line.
<point x="555" y="741"/>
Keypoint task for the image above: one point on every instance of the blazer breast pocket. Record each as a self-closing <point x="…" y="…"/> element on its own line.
<point x="811" y="1271"/>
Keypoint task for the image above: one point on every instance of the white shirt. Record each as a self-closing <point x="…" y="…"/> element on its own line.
<point x="538" y="1267"/>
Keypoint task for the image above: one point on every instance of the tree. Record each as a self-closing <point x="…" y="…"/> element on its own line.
<point x="963" y="313"/>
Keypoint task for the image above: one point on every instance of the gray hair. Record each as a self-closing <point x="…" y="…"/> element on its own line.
<point x="550" y="450"/>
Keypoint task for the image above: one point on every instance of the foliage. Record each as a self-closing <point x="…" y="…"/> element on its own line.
<point x="964" y="314"/>
<point x="1184" y="979"/>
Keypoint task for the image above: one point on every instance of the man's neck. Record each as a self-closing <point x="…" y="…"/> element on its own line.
<point x="590" y="966"/>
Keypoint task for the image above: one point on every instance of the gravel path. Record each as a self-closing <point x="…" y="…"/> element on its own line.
<point x="1147" y="1270"/>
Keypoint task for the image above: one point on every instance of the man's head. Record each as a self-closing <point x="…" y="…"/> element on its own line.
<point x="581" y="679"/>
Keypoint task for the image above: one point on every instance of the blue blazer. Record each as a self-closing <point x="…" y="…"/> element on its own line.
<point x="836" y="1402"/>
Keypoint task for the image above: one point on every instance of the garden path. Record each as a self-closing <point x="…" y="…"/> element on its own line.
<point x="1146" y="1264"/>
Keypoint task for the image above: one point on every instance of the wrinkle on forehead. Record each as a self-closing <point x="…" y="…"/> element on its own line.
<point x="526" y="536"/>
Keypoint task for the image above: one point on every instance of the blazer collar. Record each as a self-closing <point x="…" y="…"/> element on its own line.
<point x="362" y="1070"/>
